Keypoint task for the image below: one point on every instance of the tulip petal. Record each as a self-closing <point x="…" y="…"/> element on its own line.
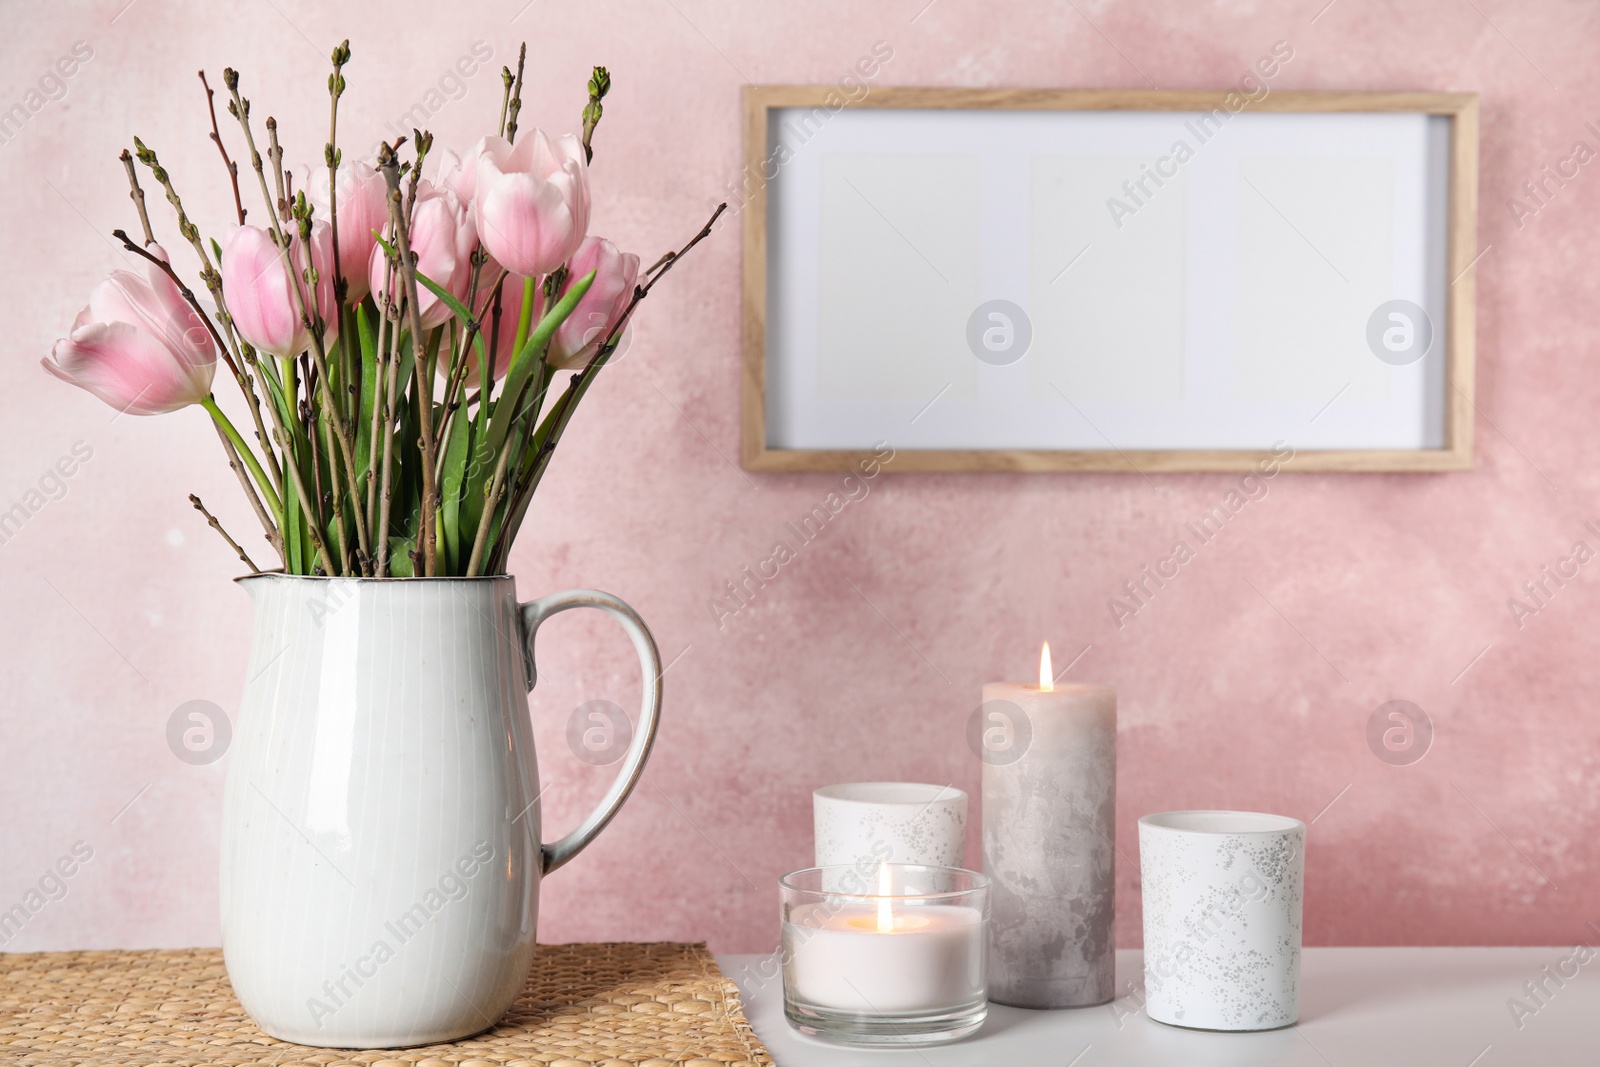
<point x="127" y="368"/>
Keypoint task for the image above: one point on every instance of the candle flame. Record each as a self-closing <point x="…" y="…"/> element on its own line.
<point x="885" y="887"/>
<point x="1047" y="678"/>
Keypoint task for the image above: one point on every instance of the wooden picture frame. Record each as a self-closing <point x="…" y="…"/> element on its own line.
<point x="1460" y="256"/>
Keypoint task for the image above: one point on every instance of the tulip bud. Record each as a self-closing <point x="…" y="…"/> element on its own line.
<point x="256" y="287"/>
<point x="577" y="340"/>
<point x="442" y="239"/>
<point x="531" y="202"/>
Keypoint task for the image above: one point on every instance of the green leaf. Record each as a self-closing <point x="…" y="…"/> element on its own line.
<point x="526" y="361"/>
<point x="369" y="390"/>
<point x="455" y="469"/>
<point x="400" y="549"/>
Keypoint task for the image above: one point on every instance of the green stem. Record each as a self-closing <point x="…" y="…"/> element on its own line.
<point x="530" y="290"/>
<point x="245" y="453"/>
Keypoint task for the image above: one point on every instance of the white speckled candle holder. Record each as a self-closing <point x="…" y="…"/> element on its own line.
<point x="1222" y="900"/>
<point x="893" y="822"/>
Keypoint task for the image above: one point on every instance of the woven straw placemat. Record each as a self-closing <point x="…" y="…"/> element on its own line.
<point x="661" y="1004"/>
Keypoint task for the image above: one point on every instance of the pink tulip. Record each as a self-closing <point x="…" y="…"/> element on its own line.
<point x="256" y="287"/>
<point x="138" y="346"/>
<point x="531" y="202"/>
<point x="363" y="208"/>
<point x="459" y="174"/>
<point x="578" y="338"/>
<point x="442" y="238"/>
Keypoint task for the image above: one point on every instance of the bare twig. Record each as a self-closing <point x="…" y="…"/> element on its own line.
<point x="213" y="279"/>
<point x="275" y="154"/>
<point x="341" y="287"/>
<point x="392" y="388"/>
<point x="506" y="78"/>
<point x="239" y="108"/>
<point x="216" y="137"/>
<point x="273" y="534"/>
<point x="188" y="294"/>
<point x="136" y="194"/>
<point x="516" y="96"/>
<point x="492" y="495"/>
<point x="217" y="526"/>
<point x="427" y="531"/>
<point x="555" y="424"/>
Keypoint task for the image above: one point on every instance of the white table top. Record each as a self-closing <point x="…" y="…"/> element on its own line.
<point x="1362" y="1007"/>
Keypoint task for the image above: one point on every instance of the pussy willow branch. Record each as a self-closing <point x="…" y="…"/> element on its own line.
<point x="273" y="534"/>
<point x="341" y="287"/>
<point x="269" y="528"/>
<point x="136" y="194"/>
<point x="216" y="138"/>
<point x="378" y="533"/>
<point x="184" y="290"/>
<point x="427" y="532"/>
<point x="245" y="384"/>
<point x="239" y="108"/>
<point x="391" y="393"/>
<point x="217" y="526"/>
<point x="455" y="385"/>
<point x="275" y="155"/>
<point x="213" y="279"/>
<point x="492" y="494"/>
<point x="188" y="229"/>
<point x="505" y="98"/>
<point x="311" y="316"/>
<point x="561" y="413"/>
<point x="599" y="86"/>
<point x="515" y="107"/>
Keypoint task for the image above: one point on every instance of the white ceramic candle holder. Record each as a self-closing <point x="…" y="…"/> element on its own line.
<point x="893" y="822"/>
<point x="1222" y="900"/>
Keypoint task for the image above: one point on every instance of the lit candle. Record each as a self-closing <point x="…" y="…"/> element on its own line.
<point x="1049" y="827"/>
<point x="904" y="952"/>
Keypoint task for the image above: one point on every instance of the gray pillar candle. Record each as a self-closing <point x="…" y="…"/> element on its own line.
<point x="1049" y="827"/>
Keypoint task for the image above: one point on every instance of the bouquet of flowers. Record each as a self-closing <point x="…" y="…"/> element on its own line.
<point x="395" y="338"/>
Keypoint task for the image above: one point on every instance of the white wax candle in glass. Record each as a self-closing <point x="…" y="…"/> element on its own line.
<point x="887" y="956"/>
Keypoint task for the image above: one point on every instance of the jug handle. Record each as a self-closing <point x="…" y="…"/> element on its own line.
<point x="535" y="612"/>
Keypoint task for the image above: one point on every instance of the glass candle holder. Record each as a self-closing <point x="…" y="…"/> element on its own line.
<point x="885" y="955"/>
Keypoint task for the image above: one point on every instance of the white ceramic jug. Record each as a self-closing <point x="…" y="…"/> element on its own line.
<point x="381" y="852"/>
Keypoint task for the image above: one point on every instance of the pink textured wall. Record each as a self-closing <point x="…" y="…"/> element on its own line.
<point x="1247" y="682"/>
